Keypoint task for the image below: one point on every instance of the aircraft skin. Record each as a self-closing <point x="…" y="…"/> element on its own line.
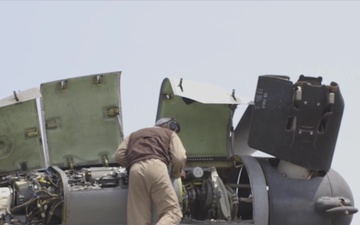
<point x="57" y="165"/>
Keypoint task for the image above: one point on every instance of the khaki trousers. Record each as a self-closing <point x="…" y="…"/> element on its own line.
<point x="149" y="184"/>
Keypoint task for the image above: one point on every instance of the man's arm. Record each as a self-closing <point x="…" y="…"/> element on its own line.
<point x="121" y="153"/>
<point x="177" y="154"/>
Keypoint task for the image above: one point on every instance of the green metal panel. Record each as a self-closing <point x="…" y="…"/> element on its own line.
<point x="20" y="137"/>
<point x="82" y="119"/>
<point x="205" y="128"/>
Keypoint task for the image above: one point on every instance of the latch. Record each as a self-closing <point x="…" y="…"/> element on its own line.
<point x="51" y="124"/>
<point x="112" y="111"/>
<point x="31" y="132"/>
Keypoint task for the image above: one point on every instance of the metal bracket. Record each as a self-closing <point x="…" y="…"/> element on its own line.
<point x="69" y="161"/>
<point x="180" y="85"/>
<point x="98" y="79"/>
<point x="15" y="96"/>
<point x="105" y="159"/>
<point x="233" y="94"/>
<point x="166" y="96"/>
<point x="63" y="85"/>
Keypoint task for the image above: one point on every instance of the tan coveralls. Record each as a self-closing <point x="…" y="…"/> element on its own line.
<point x="149" y="181"/>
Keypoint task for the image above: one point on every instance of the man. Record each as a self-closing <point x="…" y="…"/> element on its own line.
<point x="146" y="154"/>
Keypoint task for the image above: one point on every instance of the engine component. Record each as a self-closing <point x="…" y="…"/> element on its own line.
<point x="94" y="177"/>
<point x="252" y="193"/>
<point x="196" y="172"/>
<point x="81" y="185"/>
<point x="5" y="200"/>
<point x="23" y="192"/>
<point x="287" y="195"/>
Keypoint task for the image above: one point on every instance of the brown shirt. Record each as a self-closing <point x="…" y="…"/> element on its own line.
<point x="155" y="142"/>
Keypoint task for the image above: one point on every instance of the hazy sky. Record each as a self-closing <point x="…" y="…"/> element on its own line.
<point x="223" y="43"/>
